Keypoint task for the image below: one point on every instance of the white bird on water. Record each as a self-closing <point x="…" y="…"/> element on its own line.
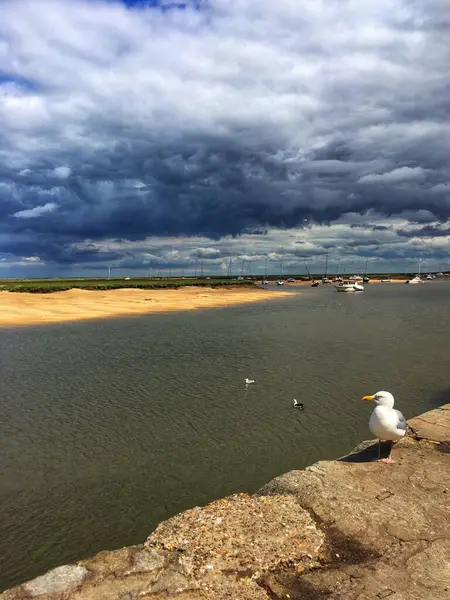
<point x="386" y="423"/>
<point x="248" y="381"/>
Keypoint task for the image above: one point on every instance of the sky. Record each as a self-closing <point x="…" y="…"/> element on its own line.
<point x="150" y="136"/>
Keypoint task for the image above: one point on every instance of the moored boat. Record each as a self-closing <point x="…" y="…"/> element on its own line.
<point x="349" y="286"/>
<point x="415" y="279"/>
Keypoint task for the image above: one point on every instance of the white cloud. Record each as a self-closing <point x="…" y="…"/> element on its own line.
<point x="400" y="175"/>
<point x="62" y="172"/>
<point x="31" y="259"/>
<point x="37" y="211"/>
<point x="441" y="188"/>
<point x="241" y="63"/>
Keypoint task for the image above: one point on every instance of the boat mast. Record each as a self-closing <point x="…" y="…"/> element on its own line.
<point x="309" y="272"/>
<point x="229" y="268"/>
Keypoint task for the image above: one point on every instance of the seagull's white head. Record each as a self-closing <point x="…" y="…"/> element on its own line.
<point x="382" y="399"/>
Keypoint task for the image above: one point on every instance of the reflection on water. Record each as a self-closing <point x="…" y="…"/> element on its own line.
<point x="110" y="426"/>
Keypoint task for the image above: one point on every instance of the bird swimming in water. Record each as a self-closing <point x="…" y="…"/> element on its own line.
<point x="249" y="381"/>
<point x="386" y="423"/>
<point x="298" y="405"/>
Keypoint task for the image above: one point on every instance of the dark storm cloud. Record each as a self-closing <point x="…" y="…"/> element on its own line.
<point x="370" y="227"/>
<point x="425" y="232"/>
<point x="143" y="123"/>
<point x="361" y="243"/>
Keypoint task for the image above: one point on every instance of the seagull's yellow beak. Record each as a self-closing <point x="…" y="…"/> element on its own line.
<point x="368" y="398"/>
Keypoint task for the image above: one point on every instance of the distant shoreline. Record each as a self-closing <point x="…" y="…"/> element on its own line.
<point x="308" y="283"/>
<point x="78" y="304"/>
<point x="44" y="306"/>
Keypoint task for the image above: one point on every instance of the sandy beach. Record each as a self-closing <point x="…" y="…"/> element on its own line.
<point x="74" y="305"/>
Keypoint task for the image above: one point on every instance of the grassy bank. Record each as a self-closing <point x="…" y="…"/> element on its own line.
<point x="45" y="286"/>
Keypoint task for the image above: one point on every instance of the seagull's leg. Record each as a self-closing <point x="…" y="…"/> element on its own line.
<point x="389" y="460"/>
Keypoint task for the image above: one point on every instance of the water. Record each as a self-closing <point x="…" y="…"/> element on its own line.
<point x="108" y="427"/>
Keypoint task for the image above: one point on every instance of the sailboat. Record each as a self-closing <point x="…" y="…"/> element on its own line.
<point x="281" y="280"/>
<point x="366" y="278"/>
<point x="265" y="280"/>
<point x="417" y="278"/>
<point x="313" y="282"/>
<point x="325" y="278"/>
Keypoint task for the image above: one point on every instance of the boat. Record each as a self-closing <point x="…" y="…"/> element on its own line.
<point x="325" y="277"/>
<point x="265" y="280"/>
<point x="366" y="278"/>
<point x="349" y="286"/>
<point x="280" y="280"/>
<point x="314" y="282"/>
<point x="416" y="279"/>
<point x="386" y="281"/>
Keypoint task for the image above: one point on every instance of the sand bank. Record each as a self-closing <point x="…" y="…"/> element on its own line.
<point x="74" y="305"/>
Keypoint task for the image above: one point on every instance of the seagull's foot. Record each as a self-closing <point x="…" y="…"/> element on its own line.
<point x="388" y="461"/>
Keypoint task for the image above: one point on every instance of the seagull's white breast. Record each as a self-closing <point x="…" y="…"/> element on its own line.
<point x="385" y="425"/>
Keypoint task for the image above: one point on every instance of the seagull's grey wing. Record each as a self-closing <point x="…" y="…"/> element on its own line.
<point x="401" y="424"/>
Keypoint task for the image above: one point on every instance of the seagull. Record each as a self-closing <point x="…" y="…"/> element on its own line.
<point x="387" y="423"/>
<point x="298" y="405"/>
<point x="248" y="381"/>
